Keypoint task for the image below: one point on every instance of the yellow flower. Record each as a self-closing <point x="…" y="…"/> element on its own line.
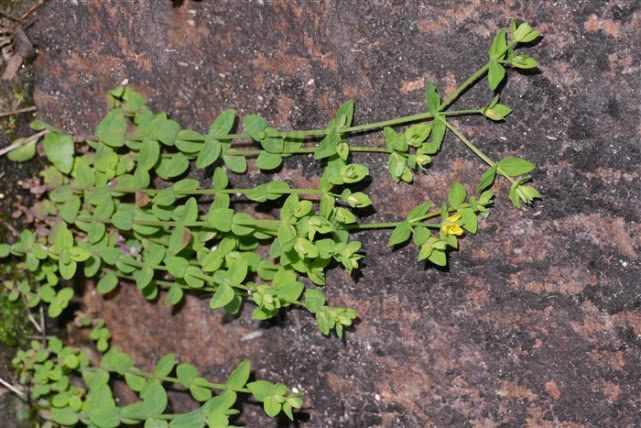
<point x="450" y="227"/>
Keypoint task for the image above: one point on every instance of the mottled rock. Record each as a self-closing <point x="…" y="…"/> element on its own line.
<point x="535" y="323"/>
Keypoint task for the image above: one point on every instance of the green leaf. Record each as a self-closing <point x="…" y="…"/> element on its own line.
<point x="286" y="236"/>
<point x="185" y="186"/>
<point x="327" y="146"/>
<point x="174" y="295"/>
<point x="172" y="166"/>
<point x="415" y="135"/>
<point x="497" y="112"/>
<point x="313" y="300"/>
<point x="193" y="277"/>
<point x="514" y="167"/>
<point x="438" y="134"/>
<point x="116" y="361"/>
<point x="432" y="98"/>
<point x="176" y="266"/>
<point x="524" y="62"/>
<point x="223" y="295"/>
<point x="356" y="200"/>
<point x="345" y="114"/>
<point x="258" y="193"/>
<point x="260" y="389"/>
<point x="457" y="194"/>
<point x="165" y="197"/>
<point x="419" y="211"/>
<point x="105" y="417"/>
<point x="255" y="126"/>
<point x="287" y="409"/>
<point x="193" y="419"/>
<point x="401" y="233"/>
<point x="290" y="291"/>
<point x="323" y="320"/>
<point x="438" y="257"/>
<point x="142" y="223"/>
<point x="135" y="382"/>
<point x="220" y="180"/>
<point x="469" y="219"/>
<point x="499" y="44"/>
<point x="188" y="141"/>
<point x="67" y="270"/>
<point x="272" y="406"/>
<point x="237" y="272"/>
<point x="59" y="150"/>
<point x="200" y="390"/>
<point x="237" y="164"/>
<point x="112" y="128"/>
<point x="242" y="224"/>
<point x="179" y="239"/>
<point x="268" y="161"/>
<point x="165" y="365"/>
<point x="107" y="283"/>
<point x="496" y="74"/>
<point x="524" y="33"/>
<point x="22" y="153"/>
<point x="64" y="416"/>
<point x="239" y="376"/>
<point x="217" y="419"/>
<point x="223" y="124"/>
<point x="487" y="179"/>
<point x="149" y="154"/>
<point x="273" y="144"/>
<point x="164" y="130"/>
<point x="186" y="373"/>
<point x="209" y="154"/>
<point x="123" y="218"/>
<point x="159" y="423"/>
<point x="69" y="210"/>
<point x="154" y="397"/>
<point x="221" y="218"/>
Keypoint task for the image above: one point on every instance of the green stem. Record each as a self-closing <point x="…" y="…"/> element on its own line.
<point x="464" y="86"/>
<point x="476" y="150"/>
<point x="354" y="129"/>
<point x="210" y="385"/>
<point x="472" y="79"/>
<point x="305" y="150"/>
<point x="401" y="121"/>
<point x="385" y="225"/>
<point x="300" y="191"/>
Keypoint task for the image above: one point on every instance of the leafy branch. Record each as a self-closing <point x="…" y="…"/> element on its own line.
<point x="119" y="207"/>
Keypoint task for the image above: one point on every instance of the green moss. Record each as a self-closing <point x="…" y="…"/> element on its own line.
<point x="14" y="322"/>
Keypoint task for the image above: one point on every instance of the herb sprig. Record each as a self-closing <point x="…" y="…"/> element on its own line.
<point x="119" y="207"/>
<point x="106" y="209"/>
<point x="66" y="388"/>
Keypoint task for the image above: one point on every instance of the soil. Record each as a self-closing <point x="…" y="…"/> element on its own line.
<point x="14" y="94"/>
<point x="536" y="321"/>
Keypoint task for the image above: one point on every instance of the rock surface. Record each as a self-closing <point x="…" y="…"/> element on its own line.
<point x="537" y="321"/>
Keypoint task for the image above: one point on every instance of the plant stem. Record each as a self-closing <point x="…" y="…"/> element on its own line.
<point x="472" y="79"/>
<point x="384" y="225"/>
<point x="354" y="129"/>
<point x="476" y="150"/>
<point x="303" y="191"/>
<point x="464" y="86"/>
<point x="18" y="111"/>
<point x="402" y="120"/>
<point x="13" y="389"/>
<point x="17" y="144"/>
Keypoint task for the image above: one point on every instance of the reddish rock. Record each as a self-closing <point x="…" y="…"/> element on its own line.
<point x="534" y="323"/>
